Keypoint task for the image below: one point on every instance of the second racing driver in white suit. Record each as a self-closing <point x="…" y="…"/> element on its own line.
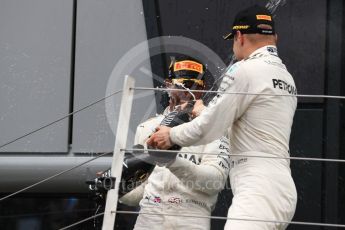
<point x="189" y="185"/>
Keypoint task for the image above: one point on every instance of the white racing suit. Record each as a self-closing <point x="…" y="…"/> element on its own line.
<point x="258" y="125"/>
<point x="188" y="186"/>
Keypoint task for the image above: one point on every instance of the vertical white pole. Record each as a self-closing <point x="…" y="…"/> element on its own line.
<point x="120" y="143"/>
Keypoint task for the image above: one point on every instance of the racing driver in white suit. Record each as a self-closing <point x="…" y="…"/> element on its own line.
<point x="189" y="185"/>
<point x="258" y="125"/>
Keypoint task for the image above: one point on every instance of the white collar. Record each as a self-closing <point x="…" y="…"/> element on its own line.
<point x="265" y="50"/>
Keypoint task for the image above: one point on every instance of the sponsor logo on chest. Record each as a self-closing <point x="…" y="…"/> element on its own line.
<point x="153" y="200"/>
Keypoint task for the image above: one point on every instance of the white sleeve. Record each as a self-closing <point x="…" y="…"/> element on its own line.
<point x="211" y="174"/>
<point x="134" y="197"/>
<point x="146" y="129"/>
<point x="219" y="115"/>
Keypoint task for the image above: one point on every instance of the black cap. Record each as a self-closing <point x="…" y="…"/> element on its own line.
<point x="187" y="68"/>
<point x="247" y="21"/>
